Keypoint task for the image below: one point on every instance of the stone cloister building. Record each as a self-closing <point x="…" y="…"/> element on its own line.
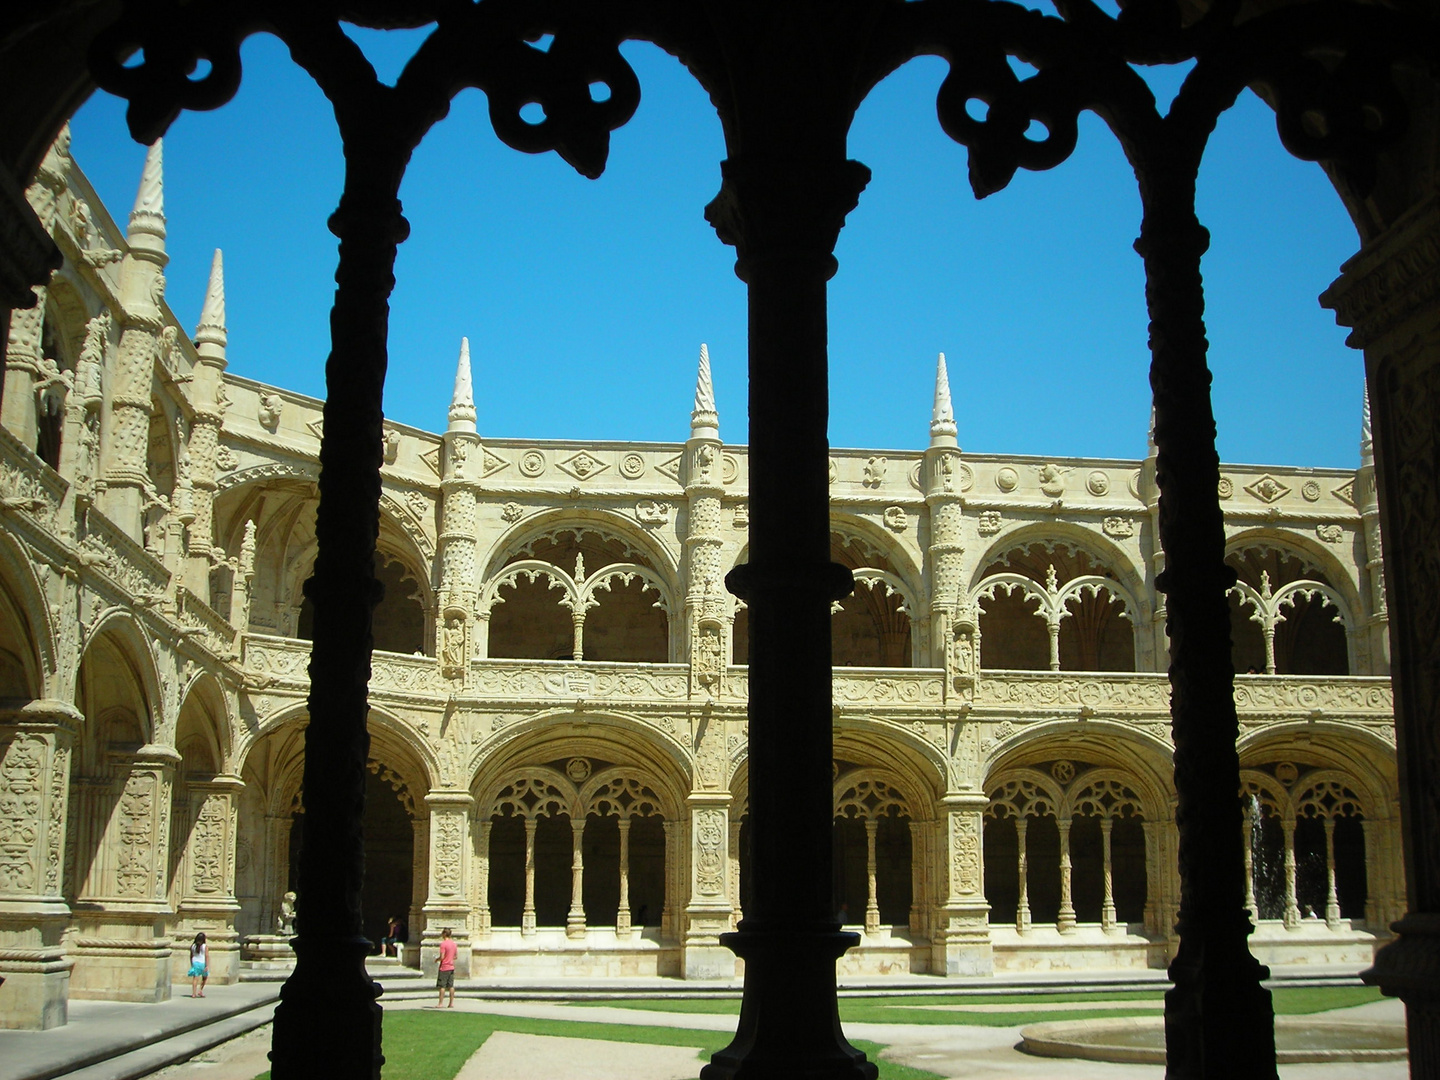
<point x="558" y="700"/>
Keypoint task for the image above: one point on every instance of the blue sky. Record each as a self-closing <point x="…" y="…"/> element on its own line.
<point x="585" y="301"/>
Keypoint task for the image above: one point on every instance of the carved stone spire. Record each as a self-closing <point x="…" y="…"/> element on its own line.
<point x="942" y="418"/>
<point x="211" y="329"/>
<point x="462" y="401"/>
<point x="704" y="420"/>
<point x="1367" y="439"/>
<point x="149" y="213"/>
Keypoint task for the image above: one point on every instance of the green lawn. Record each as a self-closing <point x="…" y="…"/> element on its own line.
<point x="1289" y="1001"/>
<point x="433" y="1045"/>
<point x="430" y="1045"/>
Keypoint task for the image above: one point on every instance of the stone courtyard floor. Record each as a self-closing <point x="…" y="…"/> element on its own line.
<point x="951" y="1051"/>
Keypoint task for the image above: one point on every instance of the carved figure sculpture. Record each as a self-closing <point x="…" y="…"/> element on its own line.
<point x="285" y="921"/>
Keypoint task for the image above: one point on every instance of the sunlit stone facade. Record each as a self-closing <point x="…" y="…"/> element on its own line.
<point x="559" y="687"/>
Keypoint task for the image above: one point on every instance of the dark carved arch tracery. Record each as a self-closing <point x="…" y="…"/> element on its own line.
<point x="786" y="79"/>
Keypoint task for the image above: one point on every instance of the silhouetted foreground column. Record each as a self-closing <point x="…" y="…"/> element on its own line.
<point x="1386" y="294"/>
<point x="783" y="216"/>
<point x="329" y="991"/>
<point x="1218" y="1018"/>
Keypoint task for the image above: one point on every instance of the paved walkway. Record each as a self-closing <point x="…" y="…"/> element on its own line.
<point x="114" y="1040"/>
<point x="958" y="1051"/>
<point x="121" y="1041"/>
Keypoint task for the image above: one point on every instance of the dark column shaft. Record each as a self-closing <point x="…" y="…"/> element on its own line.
<point x="1218" y="1018"/>
<point x="329" y="991"/>
<point x="785" y="229"/>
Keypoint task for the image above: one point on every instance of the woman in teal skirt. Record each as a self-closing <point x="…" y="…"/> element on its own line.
<point x="199" y="966"/>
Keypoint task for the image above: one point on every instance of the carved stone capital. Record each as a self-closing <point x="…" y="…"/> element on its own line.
<point x="1393" y="278"/>
<point x="27" y="254"/>
<point x="768" y="208"/>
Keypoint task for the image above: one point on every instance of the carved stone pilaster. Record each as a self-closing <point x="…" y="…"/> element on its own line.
<point x="35" y="744"/>
<point x="960" y="943"/>
<point x="1388" y="294"/>
<point x="708" y="912"/>
<point x="446" y="905"/>
<point x="122" y="946"/>
<point x="206" y="876"/>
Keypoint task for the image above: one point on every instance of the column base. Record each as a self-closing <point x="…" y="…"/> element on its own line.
<point x="121" y="958"/>
<point x="221" y="940"/>
<point x="1409" y="968"/>
<point x="329" y="991"/>
<point x="430" y="946"/>
<point x="789" y="1019"/>
<point x="1219" y="1020"/>
<point x="705" y="957"/>
<point x="36" y="972"/>
<point x="961" y="945"/>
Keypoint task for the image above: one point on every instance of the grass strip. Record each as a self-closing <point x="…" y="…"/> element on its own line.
<point x="433" y="1045"/>
<point x="881" y="1009"/>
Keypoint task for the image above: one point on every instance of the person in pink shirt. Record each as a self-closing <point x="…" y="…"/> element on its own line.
<point x="445" y="978"/>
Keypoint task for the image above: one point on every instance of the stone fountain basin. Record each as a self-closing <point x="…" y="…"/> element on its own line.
<point x="1141" y="1040"/>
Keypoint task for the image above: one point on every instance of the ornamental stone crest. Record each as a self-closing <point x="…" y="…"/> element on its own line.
<point x="1267" y="489"/>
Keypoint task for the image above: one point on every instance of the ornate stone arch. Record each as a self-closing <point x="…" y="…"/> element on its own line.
<point x="1268" y="794"/>
<point x="1099" y="547"/>
<point x="134" y="648"/>
<point x="1023" y="793"/>
<point x="1328" y="794"/>
<point x="409" y="535"/>
<point x="270" y="470"/>
<point x="1105" y="793"/>
<point x="1106" y="744"/>
<point x="533" y="791"/>
<point x="23" y="605"/>
<point x="620" y="791"/>
<point x="605" y="577"/>
<point x="900" y="755"/>
<point x="1308" y="550"/>
<point x="209" y="695"/>
<point x="387" y="727"/>
<point x="870" y="535"/>
<point x="1329" y="747"/>
<point x="625" y="742"/>
<point x="529" y="570"/>
<point x="600" y="521"/>
<point x="869" y="793"/>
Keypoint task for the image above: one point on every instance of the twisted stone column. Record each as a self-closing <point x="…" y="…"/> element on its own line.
<point x="1022" y="869"/>
<point x="1065" y="920"/>
<point x="1107" y="906"/>
<point x="329" y="989"/>
<point x="575" y="918"/>
<point x="527" y="914"/>
<point x="1218" y="1018"/>
<point x="622" y="913"/>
